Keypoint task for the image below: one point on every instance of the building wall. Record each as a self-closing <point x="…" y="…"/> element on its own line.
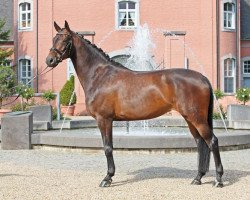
<point x="196" y="18"/>
<point x="6" y="13"/>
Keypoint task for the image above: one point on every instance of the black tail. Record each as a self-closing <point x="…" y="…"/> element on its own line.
<point x="210" y="108"/>
<point x="203" y="148"/>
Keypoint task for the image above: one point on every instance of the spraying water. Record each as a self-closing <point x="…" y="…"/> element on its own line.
<point x="140" y="53"/>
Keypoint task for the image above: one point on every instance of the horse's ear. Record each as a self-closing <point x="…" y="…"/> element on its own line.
<point x="58" y="29"/>
<point x="66" y="26"/>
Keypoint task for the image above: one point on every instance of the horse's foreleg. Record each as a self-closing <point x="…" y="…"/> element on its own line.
<point x="105" y="126"/>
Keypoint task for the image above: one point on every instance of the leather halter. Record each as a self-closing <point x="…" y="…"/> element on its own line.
<point x="67" y="49"/>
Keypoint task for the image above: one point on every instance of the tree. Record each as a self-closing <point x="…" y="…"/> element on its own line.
<point x="4" y="36"/>
<point x="7" y="78"/>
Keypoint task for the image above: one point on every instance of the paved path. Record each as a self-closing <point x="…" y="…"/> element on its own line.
<point x="40" y="174"/>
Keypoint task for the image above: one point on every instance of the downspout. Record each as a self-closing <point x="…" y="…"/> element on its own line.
<point x="238" y="68"/>
<point x="218" y="42"/>
<point x="37" y="46"/>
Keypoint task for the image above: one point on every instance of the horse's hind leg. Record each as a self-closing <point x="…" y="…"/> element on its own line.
<point x="212" y="141"/>
<point x="105" y="127"/>
<point x="203" y="155"/>
<point x="218" y="165"/>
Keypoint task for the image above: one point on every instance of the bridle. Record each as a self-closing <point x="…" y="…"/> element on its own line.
<point x="67" y="49"/>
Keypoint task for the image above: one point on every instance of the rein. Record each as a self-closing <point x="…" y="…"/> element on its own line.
<point x="40" y="74"/>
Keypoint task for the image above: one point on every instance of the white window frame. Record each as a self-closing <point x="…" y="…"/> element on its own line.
<point x="243" y="67"/>
<point x="117" y="11"/>
<point x="233" y="59"/>
<point x="20" y="12"/>
<point x="244" y="75"/>
<point x="20" y="74"/>
<point x="70" y="69"/>
<point x="227" y="13"/>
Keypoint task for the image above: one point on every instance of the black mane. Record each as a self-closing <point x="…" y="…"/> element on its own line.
<point x="99" y="50"/>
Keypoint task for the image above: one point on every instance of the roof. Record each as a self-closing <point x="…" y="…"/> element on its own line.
<point x="245" y="19"/>
<point x="6" y="12"/>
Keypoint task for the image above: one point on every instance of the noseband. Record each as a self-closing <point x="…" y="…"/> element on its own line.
<point x="67" y="49"/>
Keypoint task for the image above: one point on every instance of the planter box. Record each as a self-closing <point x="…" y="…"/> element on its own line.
<point x="237" y="113"/>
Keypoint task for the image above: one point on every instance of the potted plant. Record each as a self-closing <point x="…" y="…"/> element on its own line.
<point x="241" y="112"/>
<point x="243" y="95"/>
<point x="48" y="96"/>
<point x="216" y="114"/>
<point x="68" y="97"/>
<point x="26" y="93"/>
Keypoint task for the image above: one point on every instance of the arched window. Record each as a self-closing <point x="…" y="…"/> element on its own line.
<point x="25" y="71"/>
<point x="127" y="14"/>
<point x="229" y="75"/>
<point x="25" y="15"/>
<point x="229" y="15"/>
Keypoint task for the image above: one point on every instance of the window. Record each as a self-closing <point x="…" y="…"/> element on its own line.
<point x="246" y="67"/>
<point x="229" y="15"/>
<point x="229" y="75"/>
<point x="127" y="14"/>
<point x="25" y="18"/>
<point x="25" y="71"/>
<point x="70" y="69"/>
<point x="246" y="72"/>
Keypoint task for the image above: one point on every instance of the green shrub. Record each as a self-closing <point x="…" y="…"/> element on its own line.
<point x="22" y="106"/>
<point x="243" y="95"/>
<point x="219" y="94"/>
<point x="49" y="96"/>
<point x="7" y="83"/>
<point x="25" y="92"/>
<point x="66" y="92"/>
<point x="54" y="114"/>
<point x="216" y="115"/>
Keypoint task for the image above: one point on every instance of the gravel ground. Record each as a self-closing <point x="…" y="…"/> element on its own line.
<point x="40" y="174"/>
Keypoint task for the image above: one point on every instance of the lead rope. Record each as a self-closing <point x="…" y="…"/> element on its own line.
<point x="71" y="99"/>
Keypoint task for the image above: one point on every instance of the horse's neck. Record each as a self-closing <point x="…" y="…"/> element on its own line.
<point x="85" y="62"/>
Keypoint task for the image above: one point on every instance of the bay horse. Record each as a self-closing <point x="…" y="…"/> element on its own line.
<point x="115" y="93"/>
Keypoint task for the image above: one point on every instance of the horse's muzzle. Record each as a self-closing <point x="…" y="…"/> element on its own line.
<point x="51" y="61"/>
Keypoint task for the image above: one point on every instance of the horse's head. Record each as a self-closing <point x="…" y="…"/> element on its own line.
<point x="62" y="45"/>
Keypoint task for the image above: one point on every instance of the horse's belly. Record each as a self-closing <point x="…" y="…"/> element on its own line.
<point x="138" y="108"/>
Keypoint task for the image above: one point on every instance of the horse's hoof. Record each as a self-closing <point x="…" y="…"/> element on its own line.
<point x="218" y="184"/>
<point x="196" y="182"/>
<point x="105" y="183"/>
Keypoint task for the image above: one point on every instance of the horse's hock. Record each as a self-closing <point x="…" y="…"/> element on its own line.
<point x="17" y="128"/>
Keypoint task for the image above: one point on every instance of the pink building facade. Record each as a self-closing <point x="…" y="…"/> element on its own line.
<point x="199" y="35"/>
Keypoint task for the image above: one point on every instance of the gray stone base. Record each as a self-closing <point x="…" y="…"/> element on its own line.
<point x="16" y="130"/>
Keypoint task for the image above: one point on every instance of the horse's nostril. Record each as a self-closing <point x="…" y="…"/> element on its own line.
<point x="51" y="60"/>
